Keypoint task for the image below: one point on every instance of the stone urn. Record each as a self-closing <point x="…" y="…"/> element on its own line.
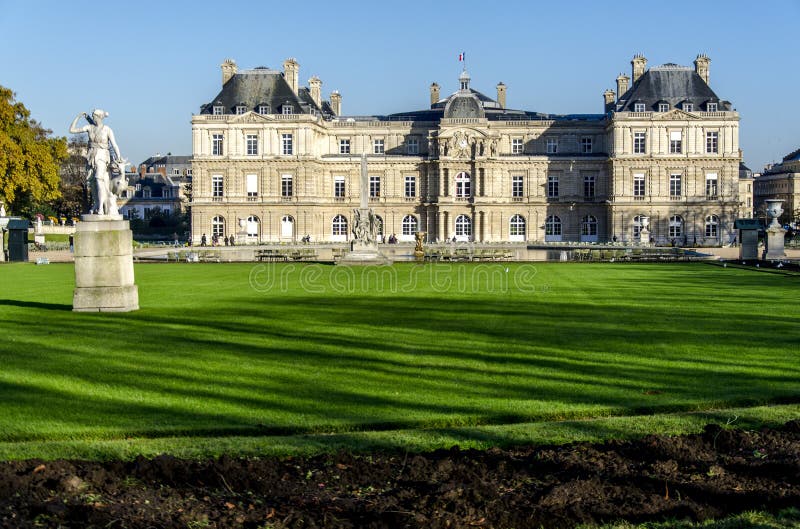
<point x="774" y="210"/>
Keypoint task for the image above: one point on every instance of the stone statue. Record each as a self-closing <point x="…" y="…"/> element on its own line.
<point x="364" y="226"/>
<point x="106" y="179"/>
<point x="2" y="210"/>
<point x="493" y="148"/>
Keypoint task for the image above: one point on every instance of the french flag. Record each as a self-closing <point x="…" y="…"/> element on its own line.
<point x="462" y="56"/>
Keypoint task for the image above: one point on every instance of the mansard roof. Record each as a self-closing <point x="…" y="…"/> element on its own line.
<point x="671" y="84"/>
<point x="792" y="157"/>
<point x="261" y="86"/>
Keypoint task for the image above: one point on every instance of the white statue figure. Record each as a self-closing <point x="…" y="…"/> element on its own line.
<point x="105" y="188"/>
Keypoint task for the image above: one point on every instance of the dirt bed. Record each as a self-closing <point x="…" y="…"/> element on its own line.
<point x="708" y="475"/>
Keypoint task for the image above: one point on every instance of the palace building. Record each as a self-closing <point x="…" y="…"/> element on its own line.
<point x="274" y="160"/>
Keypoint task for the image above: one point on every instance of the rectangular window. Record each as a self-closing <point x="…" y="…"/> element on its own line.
<point x="552" y="186"/>
<point x="410" y="186"/>
<point x="675" y="143"/>
<point x="638" y="185"/>
<point x="240" y="110"/>
<point x="688" y="107"/>
<point x="287" y="110"/>
<point x="586" y="145"/>
<point x="712" y="142"/>
<point x="344" y="146"/>
<point x="218" y="110"/>
<point x="374" y="186"/>
<point x="675" y="185"/>
<point x="263" y="109"/>
<point x="338" y="187"/>
<point x="638" y="107"/>
<point x="252" y="185"/>
<point x="412" y="146"/>
<point x="711" y="107"/>
<point x="552" y="145"/>
<point x="589" y="186"/>
<point x="517" y="186"/>
<point x="286" y="186"/>
<point x="377" y="146"/>
<point x="711" y="185"/>
<point x="516" y="146"/>
<point x="216" y="186"/>
<point x="663" y="107"/>
<point x="252" y="144"/>
<point x="286" y="144"/>
<point x="216" y="144"/>
<point x="639" y="142"/>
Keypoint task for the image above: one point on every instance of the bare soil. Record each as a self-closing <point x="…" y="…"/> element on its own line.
<point x="709" y="475"/>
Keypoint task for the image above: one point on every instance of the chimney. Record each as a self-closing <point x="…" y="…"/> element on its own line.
<point x="336" y="102"/>
<point x="228" y="70"/>
<point x="501" y="94"/>
<point x="608" y="98"/>
<point x="638" y="65"/>
<point x="291" y="72"/>
<point x="434" y="93"/>
<point x="701" y="66"/>
<point x="622" y="85"/>
<point x="315" y="87"/>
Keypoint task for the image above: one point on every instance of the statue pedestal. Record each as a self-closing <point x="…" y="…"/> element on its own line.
<point x="774" y="248"/>
<point x="748" y="247"/>
<point x="104" y="265"/>
<point x="365" y="254"/>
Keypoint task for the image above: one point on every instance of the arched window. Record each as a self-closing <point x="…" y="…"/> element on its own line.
<point x="589" y="228"/>
<point x="516" y="228"/>
<point x="675" y="226"/>
<point x="552" y="228"/>
<point x="463" y="228"/>
<point x="218" y="226"/>
<point x="287" y="227"/>
<point x="463" y="185"/>
<point x="409" y="228"/>
<point x="339" y="228"/>
<point x="712" y="226"/>
<point x="252" y="227"/>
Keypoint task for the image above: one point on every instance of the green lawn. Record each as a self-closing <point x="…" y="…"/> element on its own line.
<point x="245" y="357"/>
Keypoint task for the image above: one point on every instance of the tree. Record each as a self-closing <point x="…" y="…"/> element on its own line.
<point x="74" y="188"/>
<point x="29" y="158"/>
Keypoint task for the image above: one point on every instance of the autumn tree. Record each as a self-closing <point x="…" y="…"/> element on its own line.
<point x="74" y="187"/>
<point x="29" y="158"/>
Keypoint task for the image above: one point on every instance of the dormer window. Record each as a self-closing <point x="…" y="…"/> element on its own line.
<point x="263" y="109"/>
<point x="663" y="107"/>
<point x="711" y="107"/>
<point x="287" y="110"/>
<point x="241" y="109"/>
<point x="638" y="107"/>
<point x="688" y="107"/>
<point x="218" y="110"/>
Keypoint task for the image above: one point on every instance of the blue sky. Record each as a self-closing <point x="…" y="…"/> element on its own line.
<point x="152" y="64"/>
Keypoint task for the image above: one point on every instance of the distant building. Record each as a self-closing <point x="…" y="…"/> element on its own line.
<point x="176" y="167"/>
<point x="746" y="181"/>
<point x="151" y="191"/>
<point x="780" y="181"/>
<point x="280" y="160"/>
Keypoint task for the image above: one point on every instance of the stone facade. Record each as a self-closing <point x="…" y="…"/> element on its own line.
<point x="277" y="158"/>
